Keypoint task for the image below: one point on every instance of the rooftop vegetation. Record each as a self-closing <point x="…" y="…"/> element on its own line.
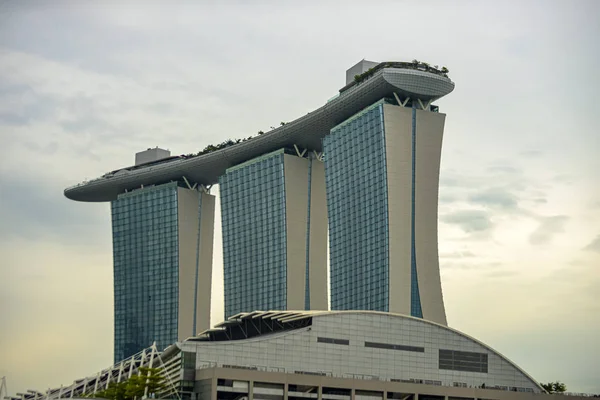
<point x="414" y="64"/>
<point x="229" y="142"/>
<point x="148" y="383"/>
<point x="214" y="147"/>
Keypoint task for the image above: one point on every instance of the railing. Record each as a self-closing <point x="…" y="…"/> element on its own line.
<point x="200" y="364"/>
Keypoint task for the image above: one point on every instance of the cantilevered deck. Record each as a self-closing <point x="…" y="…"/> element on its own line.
<point x="398" y="81"/>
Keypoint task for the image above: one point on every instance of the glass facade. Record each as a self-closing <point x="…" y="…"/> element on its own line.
<point x="357" y="203"/>
<point x="253" y="217"/>
<point x="146" y="273"/>
<point x="355" y="178"/>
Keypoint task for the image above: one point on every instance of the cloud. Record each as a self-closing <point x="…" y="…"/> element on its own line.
<point x="446" y="198"/>
<point x="531" y="153"/>
<point x="594" y="245"/>
<point x="37" y="211"/>
<point x="42" y="149"/>
<point x="458" y="254"/>
<point x="547" y="229"/>
<point x="9" y="118"/>
<point x="502" y="273"/>
<point x="472" y="264"/>
<point x="469" y="220"/>
<point x="505" y="169"/>
<point x="495" y="198"/>
<point x="21" y="105"/>
<point x="564" y="179"/>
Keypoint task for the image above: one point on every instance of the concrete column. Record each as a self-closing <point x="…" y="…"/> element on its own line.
<point x="213" y="388"/>
<point x="285" y="391"/>
<point x="251" y="390"/>
<point x="320" y="392"/>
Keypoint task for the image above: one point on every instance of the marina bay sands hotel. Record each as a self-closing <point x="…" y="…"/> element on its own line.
<point x="362" y="171"/>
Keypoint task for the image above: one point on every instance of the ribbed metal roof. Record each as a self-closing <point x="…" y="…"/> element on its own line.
<point x="305" y="132"/>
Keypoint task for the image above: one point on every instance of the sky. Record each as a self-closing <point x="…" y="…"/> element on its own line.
<point x="85" y="85"/>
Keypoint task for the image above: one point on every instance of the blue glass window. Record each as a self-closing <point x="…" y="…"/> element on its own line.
<point x="254" y="235"/>
<point x="355" y="177"/>
<point x="146" y="272"/>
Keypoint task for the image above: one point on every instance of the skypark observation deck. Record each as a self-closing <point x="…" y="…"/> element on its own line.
<point x="400" y="81"/>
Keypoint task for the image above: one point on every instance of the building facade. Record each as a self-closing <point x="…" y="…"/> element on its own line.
<point x="274" y="233"/>
<point x="327" y="355"/>
<point x="378" y="346"/>
<point x="381" y="139"/>
<point x="162" y="254"/>
<point x="382" y="175"/>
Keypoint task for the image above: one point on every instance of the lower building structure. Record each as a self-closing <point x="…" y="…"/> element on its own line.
<point x="376" y="349"/>
<point x="330" y="355"/>
<point x="218" y="383"/>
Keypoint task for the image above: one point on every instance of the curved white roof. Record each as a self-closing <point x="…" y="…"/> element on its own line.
<point x="270" y="322"/>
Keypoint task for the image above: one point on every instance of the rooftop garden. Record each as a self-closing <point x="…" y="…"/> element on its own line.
<point x="208" y="149"/>
<point x="228" y="143"/>
<point x="414" y="64"/>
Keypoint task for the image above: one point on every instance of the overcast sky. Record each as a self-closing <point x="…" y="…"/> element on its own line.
<point x="83" y="87"/>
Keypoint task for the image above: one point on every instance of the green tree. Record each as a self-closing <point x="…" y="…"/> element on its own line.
<point x="153" y="379"/>
<point x="554" y="387"/>
<point x="135" y="387"/>
<point x="115" y="391"/>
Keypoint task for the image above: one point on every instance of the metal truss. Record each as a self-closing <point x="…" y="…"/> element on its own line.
<point x="424" y="106"/>
<point x="248" y="325"/>
<point x="305" y="153"/>
<point x="196" y="186"/>
<point x="89" y="386"/>
<point x="3" y="389"/>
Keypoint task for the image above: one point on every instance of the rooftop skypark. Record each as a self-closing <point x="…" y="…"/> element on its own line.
<point x="402" y="82"/>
